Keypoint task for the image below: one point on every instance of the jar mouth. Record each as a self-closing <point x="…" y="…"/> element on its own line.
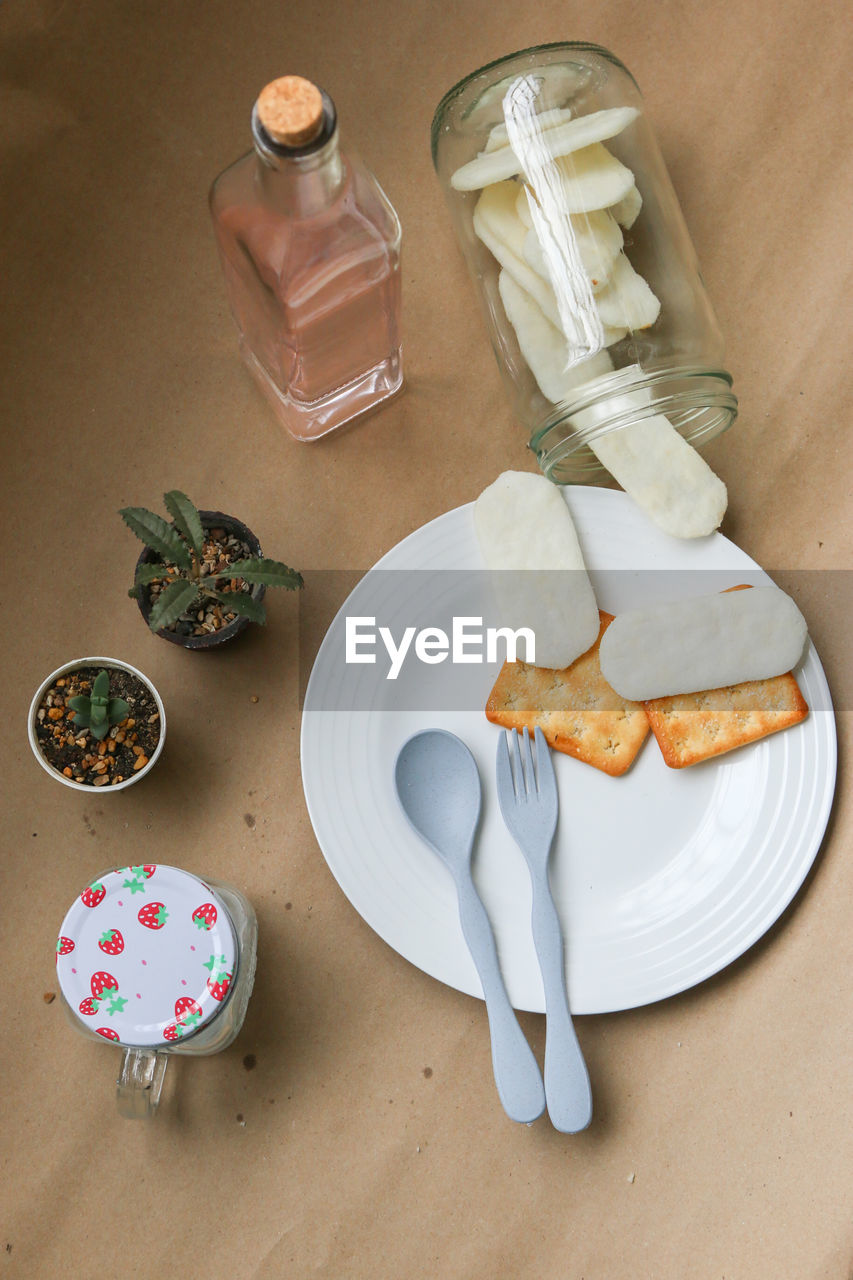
<point x="569" y="46"/>
<point x="698" y="403"/>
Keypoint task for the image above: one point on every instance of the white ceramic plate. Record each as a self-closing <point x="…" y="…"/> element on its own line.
<point x="661" y="877"/>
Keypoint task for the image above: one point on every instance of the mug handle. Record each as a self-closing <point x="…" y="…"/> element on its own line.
<point x="140" y="1081"/>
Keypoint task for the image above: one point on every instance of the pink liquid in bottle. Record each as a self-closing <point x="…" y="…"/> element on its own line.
<point x="310" y="249"/>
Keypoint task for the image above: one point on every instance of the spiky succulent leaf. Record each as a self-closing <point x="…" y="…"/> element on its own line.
<point x="146" y="573"/>
<point x="241" y="602"/>
<point x="186" y="518"/>
<point x="118" y="710"/>
<point x="80" y="703"/>
<point x="271" y="573"/>
<point x="158" y="535"/>
<point x="171" y="603"/>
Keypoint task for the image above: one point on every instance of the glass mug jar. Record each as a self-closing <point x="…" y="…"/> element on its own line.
<point x="583" y="264"/>
<point x="154" y="960"/>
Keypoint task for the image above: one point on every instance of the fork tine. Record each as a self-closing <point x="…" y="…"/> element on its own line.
<point x="530" y="775"/>
<point x="521" y="791"/>
<point x="512" y="752"/>
<point x="545" y="779"/>
<point x="506" y="785"/>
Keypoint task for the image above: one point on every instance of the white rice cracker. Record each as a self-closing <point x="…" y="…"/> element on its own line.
<point x="526" y="533"/>
<point x="664" y="475"/>
<point x="495" y="164"/>
<point x="708" y="642"/>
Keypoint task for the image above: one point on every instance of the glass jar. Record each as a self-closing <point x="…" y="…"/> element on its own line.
<point x="580" y="254"/>
<point x="158" y="962"/>
<point x="310" y="249"/>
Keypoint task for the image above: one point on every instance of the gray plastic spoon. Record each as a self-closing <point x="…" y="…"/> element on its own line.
<point x="439" y="788"/>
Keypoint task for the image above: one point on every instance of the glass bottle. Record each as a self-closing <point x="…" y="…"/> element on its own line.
<point x="310" y="248"/>
<point x="583" y="264"/>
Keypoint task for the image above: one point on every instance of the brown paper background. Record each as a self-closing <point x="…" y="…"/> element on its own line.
<point x="372" y="1141"/>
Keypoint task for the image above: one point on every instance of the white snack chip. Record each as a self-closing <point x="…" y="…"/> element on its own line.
<point x="544" y="347"/>
<point x="502" y="162"/>
<point x="526" y="533"/>
<point x="627" y="211"/>
<point x="708" y="642"/>
<point x="626" y="299"/>
<point x="583" y="181"/>
<point x="499" y="137"/>
<point x="598" y="240"/>
<point x="664" y="475"/>
<point x="498" y="225"/>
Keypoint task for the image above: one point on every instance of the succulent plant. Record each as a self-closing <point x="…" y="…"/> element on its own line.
<point x="180" y="548"/>
<point x="97" y="711"/>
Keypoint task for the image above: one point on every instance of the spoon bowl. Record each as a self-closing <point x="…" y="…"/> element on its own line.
<point x="438" y="784"/>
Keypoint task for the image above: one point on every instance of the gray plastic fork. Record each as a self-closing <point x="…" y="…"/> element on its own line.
<point x="529" y="804"/>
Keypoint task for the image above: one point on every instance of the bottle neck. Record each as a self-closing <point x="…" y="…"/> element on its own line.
<point x="300" y="181"/>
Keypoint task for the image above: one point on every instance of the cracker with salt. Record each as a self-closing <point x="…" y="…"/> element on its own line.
<point x="575" y="708"/>
<point x="691" y="727"/>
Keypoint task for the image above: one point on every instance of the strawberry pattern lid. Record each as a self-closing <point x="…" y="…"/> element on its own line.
<point x="146" y="955"/>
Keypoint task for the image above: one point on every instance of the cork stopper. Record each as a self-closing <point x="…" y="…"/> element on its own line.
<point x="291" y="111"/>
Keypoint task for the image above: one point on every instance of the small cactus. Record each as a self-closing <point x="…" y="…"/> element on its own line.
<point x="97" y="711"/>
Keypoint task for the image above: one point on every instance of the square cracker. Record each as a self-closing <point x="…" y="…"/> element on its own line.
<point x="575" y="708"/>
<point x="691" y="727"/>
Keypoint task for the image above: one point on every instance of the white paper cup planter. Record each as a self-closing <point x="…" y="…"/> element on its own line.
<point x="157" y="962"/>
<point x="103" y="779"/>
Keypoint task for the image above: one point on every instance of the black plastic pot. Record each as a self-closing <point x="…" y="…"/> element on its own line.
<point x="209" y="520"/>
